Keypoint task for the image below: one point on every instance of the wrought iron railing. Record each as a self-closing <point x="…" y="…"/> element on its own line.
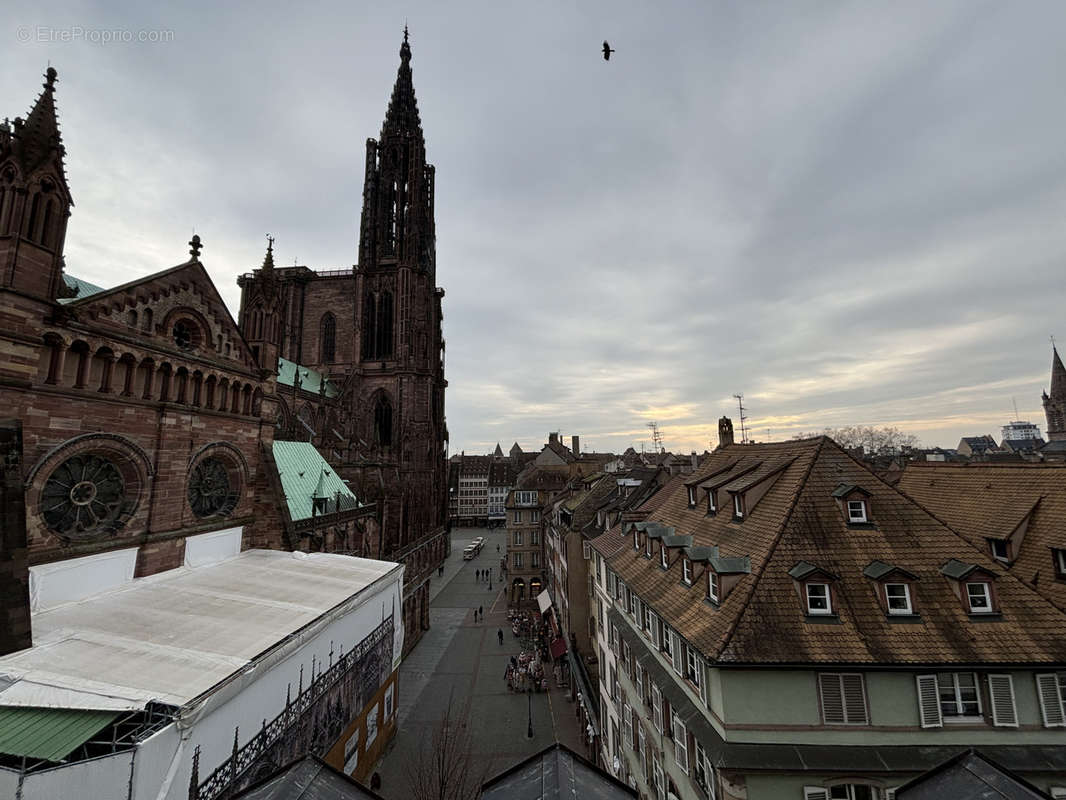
<point x="219" y="783"/>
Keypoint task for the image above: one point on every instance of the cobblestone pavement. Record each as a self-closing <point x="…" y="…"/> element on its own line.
<point x="462" y="661"/>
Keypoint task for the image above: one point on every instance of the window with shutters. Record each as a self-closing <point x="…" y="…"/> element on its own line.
<point x="626" y="653"/>
<point x="656" y="631"/>
<point x="658" y="779"/>
<point x="676" y="655"/>
<point x="1001" y="696"/>
<point x="692" y="667"/>
<point x="666" y="643"/>
<point x="843" y="698"/>
<point x="627" y="723"/>
<point x="680" y="744"/>
<point x="928" y="701"/>
<point x="702" y="771"/>
<point x="642" y="744"/>
<point x="647" y="620"/>
<point x="960" y="700"/>
<point x="1051" y="689"/>
<point x="638" y="679"/>
<point x="657" y="708"/>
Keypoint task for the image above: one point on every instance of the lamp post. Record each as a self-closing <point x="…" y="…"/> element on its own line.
<point x="529" y="730"/>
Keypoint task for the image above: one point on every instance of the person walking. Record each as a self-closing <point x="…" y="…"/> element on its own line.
<point x="481" y="611"/>
<point x="475" y="615"/>
<point x="499" y="635"/>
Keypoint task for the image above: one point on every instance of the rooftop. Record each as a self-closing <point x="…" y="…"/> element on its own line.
<point x="310" y="380"/>
<point x="174" y="636"/>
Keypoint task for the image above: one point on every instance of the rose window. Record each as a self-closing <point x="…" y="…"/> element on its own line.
<point x="83" y="497"/>
<point x="210" y="489"/>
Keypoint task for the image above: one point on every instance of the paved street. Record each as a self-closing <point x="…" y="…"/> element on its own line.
<point x="462" y="660"/>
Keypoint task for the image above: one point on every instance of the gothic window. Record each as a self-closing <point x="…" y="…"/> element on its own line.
<point x="212" y="490"/>
<point x="45" y="236"/>
<point x="31" y="223"/>
<point x="83" y="497"/>
<point x="383" y="421"/>
<point x="384" y="320"/>
<point x="329" y="336"/>
<point x="370" y="326"/>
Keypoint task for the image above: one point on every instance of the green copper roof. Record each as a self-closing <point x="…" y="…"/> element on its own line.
<point x="84" y="288"/>
<point x="310" y="380"/>
<point x="305" y="474"/>
<point x="49" y="733"/>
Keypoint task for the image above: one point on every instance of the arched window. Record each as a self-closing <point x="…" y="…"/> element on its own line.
<point x="383" y="421"/>
<point x="31" y="223"/>
<point x="45" y="236"/>
<point x="329" y="338"/>
<point x="131" y="318"/>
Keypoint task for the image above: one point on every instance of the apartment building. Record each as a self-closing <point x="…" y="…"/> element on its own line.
<point x="784" y="624"/>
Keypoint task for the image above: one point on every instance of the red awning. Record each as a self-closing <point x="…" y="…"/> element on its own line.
<point x="558" y="647"/>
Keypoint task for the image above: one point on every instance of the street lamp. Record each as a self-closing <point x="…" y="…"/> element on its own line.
<point x="529" y="730"/>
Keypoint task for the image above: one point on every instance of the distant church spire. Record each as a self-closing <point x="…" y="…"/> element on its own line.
<point x="402" y="114"/>
<point x="1055" y="401"/>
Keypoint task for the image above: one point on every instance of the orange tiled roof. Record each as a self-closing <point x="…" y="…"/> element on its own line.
<point x="797" y="519"/>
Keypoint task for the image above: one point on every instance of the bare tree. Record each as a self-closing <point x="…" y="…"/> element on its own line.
<point x="884" y="441"/>
<point x="445" y="768"/>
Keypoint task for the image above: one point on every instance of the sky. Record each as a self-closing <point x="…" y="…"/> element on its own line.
<point x="851" y="213"/>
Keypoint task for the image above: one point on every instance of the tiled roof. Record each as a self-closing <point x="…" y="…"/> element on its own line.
<point x="310" y="380"/>
<point x="983" y="501"/>
<point x="761" y="619"/>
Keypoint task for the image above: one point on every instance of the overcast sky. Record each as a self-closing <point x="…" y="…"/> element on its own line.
<point x="851" y="213"/>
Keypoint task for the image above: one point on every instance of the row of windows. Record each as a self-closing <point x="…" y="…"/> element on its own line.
<point x="517" y="560"/>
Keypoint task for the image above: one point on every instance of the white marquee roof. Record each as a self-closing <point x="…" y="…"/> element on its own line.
<point x="172" y="637"/>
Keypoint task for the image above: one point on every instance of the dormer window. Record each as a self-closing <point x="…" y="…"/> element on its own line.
<point x="711" y="507"/>
<point x="647" y="547"/>
<point x="636" y="539"/>
<point x="663" y="558"/>
<point x="819" y="601"/>
<point x="979" y="597"/>
<point x="686" y="571"/>
<point x="898" y="598"/>
<point x="1060" y="562"/>
<point x="712" y="585"/>
<point x="691" y="496"/>
<point x="1000" y="549"/>
<point x="738" y="506"/>
<point x="856" y="511"/>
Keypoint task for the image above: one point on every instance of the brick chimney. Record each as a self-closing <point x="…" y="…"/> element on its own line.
<point x="553" y="438"/>
<point x="575" y="446"/>
<point x="14" y="563"/>
<point x="725" y="432"/>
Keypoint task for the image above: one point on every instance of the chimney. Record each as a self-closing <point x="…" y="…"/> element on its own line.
<point x="14" y="565"/>
<point x="575" y="446"/>
<point x="725" y="432"/>
<point x="695" y="461"/>
<point x="553" y="438"/>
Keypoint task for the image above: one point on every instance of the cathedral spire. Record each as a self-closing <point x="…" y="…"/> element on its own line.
<point x="39" y="133"/>
<point x="402" y="115"/>
<point x="1058" y="377"/>
<point x="268" y="259"/>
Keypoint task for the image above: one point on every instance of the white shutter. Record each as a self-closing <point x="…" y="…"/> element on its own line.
<point x="1001" y="690"/>
<point x="675" y="642"/>
<point x="854" y="699"/>
<point x="832" y="698"/>
<point x="929" y="701"/>
<point x="815" y="793"/>
<point x="1047" y="687"/>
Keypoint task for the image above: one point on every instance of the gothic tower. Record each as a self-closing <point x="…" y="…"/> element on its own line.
<point x="34" y="200"/>
<point x="1055" y="402"/>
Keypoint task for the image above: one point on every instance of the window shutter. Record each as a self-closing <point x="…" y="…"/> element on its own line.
<point x="815" y="793"/>
<point x="890" y="794"/>
<point x="1047" y="686"/>
<point x="928" y="701"/>
<point x="675" y="642"/>
<point x="1001" y="690"/>
<point x="854" y="699"/>
<point x="832" y="698"/>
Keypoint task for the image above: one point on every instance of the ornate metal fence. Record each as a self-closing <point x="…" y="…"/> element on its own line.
<point x="292" y="727"/>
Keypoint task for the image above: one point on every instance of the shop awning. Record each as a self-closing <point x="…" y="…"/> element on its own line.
<point x="544" y="600"/>
<point x="49" y="733"/>
<point x="558" y="647"/>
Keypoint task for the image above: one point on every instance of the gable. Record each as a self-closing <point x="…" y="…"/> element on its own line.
<point x="185" y="291"/>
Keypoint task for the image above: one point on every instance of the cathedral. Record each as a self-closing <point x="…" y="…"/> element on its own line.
<point x="144" y="414"/>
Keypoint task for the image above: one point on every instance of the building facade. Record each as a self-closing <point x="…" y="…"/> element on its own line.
<point x="783" y="624"/>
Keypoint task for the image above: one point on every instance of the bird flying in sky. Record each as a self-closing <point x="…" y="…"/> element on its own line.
<point x="607" y="52"/>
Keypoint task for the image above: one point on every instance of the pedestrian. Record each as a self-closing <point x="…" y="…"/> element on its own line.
<point x="475" y="615"/>
<point x="481" y="611"/>
<point x="497" y="547"/>
<point x="499" y="635"/>
<point x="477" y="575"/>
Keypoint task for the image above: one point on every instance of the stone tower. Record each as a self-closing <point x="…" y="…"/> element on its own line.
<point x="34" y="200"/>
<point x="1055" y="401"/>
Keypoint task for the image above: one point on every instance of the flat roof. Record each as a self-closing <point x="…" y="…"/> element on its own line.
<point x="173" y="636"/>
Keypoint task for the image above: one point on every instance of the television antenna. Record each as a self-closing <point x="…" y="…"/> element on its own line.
<point x="743" y="419"/>
<point x="656" y="436"/>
